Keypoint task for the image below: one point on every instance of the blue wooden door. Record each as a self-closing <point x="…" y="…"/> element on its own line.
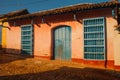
<point x="62" y="43"/>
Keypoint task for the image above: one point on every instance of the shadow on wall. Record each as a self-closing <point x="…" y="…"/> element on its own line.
<point x="9" y="55"/>
<point x="67" y="73"/>
<point x="46" y="20"/>
<point x="0" y="47"/>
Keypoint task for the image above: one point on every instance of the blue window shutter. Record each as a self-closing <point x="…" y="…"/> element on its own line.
<point x="94" y="38"/>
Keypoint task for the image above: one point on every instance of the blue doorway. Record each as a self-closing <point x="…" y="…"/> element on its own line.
<point x="62" y="43"/>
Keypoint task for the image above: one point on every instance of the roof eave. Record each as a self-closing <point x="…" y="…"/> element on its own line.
<point x="66" y="9"/>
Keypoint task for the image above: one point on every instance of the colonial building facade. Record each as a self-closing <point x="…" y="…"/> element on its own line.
<point x="85" y="33"/>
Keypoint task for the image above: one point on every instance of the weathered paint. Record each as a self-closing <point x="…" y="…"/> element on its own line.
<point x="116" y="39"/>
<point x="77" y="32"/>
<point x="13" y="40"/>
<point x="3" y="41"/>
<point x="43" y="35"/>
<point x="62" y="43"/>
<point x="27" y="39"/>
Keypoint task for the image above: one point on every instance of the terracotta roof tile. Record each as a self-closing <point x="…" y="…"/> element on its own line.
<point x="78" y="7"/>
<point x="15" y="13"/>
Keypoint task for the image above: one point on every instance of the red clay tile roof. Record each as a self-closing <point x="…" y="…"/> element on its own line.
<point x="72" y="8"/>
<point x="14" y="13"/>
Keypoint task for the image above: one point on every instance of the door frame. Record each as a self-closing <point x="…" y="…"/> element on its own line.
<point x="53" y="41"/>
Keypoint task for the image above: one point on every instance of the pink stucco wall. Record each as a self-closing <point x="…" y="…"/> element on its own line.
<point x="13" y="40"/>
<point x="111" y="22"/>
<point x="43" y="42"/>
<point x="43" y="32"/>
<point x="43" y="38"/>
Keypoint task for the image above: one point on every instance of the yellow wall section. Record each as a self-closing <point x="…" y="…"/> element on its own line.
<point x="3" y="37"/>
<point x="4" y="34"/>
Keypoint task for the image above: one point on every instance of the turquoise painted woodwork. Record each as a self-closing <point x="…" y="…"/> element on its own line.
<point x="27" y="39"/>
<point x="94" y="38"/>
<point x="62" y="43"/>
